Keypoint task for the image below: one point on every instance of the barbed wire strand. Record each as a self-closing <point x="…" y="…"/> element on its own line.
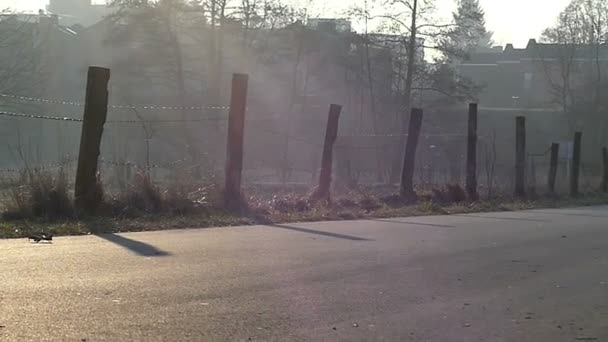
<point x="138" y="166"/>
<point x="73" y="119"/>
<point x="141" y="107"/>
<point x="40" y="167"/>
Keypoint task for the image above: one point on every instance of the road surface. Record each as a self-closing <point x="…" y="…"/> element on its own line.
<point x="529" y="276"/>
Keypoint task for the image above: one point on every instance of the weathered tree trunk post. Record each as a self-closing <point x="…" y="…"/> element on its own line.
<point x="520" y="156"/>
<point x="88" y="195"/>
<point x="605" y="173"/>
<point x="331" y="134"/>
<point x="553" y="168"/>
<point x="409" y="159"/>
<point x="233" y="199"/>
<point x="472" y="154"/>
<point x="576" y="164"/>
<point x="532" y="178"/>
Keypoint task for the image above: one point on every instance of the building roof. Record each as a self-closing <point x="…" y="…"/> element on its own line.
<point x="539" y="51"/>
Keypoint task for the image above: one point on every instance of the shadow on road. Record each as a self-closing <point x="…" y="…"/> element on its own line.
<point x="319" y="232"/>
<point x="570" y="214"/>
<point x="413" y="223"/>
<point x="502" y="218"/>
<point x="134" y="246"/>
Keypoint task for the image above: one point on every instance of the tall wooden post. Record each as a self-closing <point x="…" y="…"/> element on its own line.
<point x="88" y="195"/>
<point x="520" y="156"/>
<point x="605" y="173"/>
<point x="576" y="164"/>
<point x="553" y="168"/>
<point x="409" y="158"/>
<point x="331" y="134"/>
<point x="233" y="199"/>
<point x="471" y="183"/>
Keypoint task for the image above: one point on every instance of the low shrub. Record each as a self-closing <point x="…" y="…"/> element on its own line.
<point x="450" y="193"/>
<point x="369" y="203"/>
<point x="40" y="195"/>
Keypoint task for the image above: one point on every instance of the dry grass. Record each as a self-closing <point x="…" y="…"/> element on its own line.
<point x="40" y="195"/>
<point x="43" y="202"/>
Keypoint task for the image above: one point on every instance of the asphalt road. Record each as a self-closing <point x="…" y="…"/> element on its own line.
<point x="528" y="276"/>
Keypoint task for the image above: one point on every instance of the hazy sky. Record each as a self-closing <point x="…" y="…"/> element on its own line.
<point x="513" y="21"/>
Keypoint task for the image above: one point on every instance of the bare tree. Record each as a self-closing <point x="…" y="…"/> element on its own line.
<point x="413" y="25"/>
<point x="574" y="64"/>
<point x="489" y="162"/>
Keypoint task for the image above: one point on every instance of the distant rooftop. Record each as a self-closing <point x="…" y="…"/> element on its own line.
<point x="77" y="12"/>
<point x="330" y="24"/>
<point x="535" y="51"/>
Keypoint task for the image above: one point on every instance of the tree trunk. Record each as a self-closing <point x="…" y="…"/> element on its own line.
<point x="191" y="149"/>
<point x="409" y="81"/>
<point x="292" y="101"/>
<point x="372" y="100"/>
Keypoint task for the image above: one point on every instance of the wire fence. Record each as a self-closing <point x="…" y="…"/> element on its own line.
<point x="362" y="146"/>
<point x="117" y="106"/>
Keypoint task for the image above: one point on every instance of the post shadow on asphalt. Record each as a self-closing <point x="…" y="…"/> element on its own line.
<point x="318" y="232"/>
<point x="137" y="247"/>
<point x="413" y="223"/>
<point x="502" y="218"/>
<point x="570" y="214"/>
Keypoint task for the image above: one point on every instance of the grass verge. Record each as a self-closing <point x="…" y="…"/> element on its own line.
<point x="282" y="211"/>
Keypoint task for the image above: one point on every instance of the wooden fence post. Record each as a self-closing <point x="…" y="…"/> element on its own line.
<point x="409" y="158"/>
<point x="605" y="174"/>
<point x="233" y="199"/>
<point x="520" y="156"/>
<point x="88" y="195"/>
<point x="576" y="164"/>
<point x="331" y="134"/>
<point x="471" y="183"/>
<point x="553" y="168"/>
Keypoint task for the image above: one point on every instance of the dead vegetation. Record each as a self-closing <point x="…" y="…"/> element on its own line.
<point x="43" y="200"/>
<point x="40" y="194"/>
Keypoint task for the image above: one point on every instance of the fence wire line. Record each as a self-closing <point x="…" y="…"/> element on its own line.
<point x="290" y="137"/>
<point x="391" y="135"/>
<point x="44" y="117"/>
<point x="66" y="162"/>
<point x="143" y="107"/>
<point x="138" y="166"/>
<point x="72" y="119"/>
